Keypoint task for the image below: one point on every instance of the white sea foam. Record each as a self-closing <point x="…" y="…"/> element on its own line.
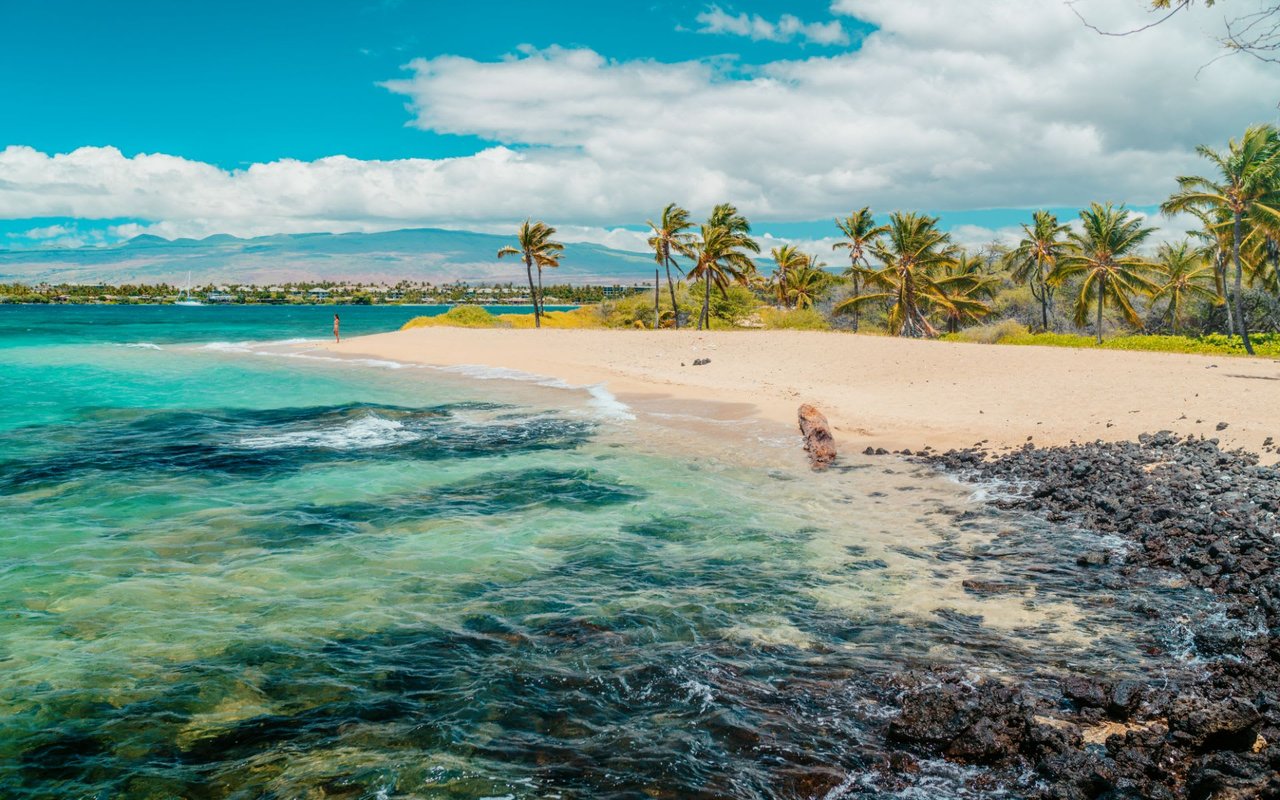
<point x="601" y="398"/>
<point x="227" y="347"/>
<point x="361" y="433"/>
<point x="142" y="346"/>
<point x="265" y="349"/>
<point x="609" y="405"/>
<point x="368" y="362"/>
<point x="486" y="373"/>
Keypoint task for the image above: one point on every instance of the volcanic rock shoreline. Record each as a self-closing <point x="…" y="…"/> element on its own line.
<point x="1209" y="726"/>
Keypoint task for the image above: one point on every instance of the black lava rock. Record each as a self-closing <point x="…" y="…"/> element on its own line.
<point x="1230" y="724"/>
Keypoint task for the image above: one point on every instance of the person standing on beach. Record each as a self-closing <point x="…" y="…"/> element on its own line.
<point x="336" y="338"/>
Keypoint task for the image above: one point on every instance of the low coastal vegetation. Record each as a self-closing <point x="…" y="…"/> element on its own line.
<point x="477" y="317"/>
<point x="1012" y="332"/>
<point x="1096" y="281"/>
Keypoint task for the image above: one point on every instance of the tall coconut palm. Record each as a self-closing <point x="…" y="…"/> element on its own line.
<point x="537" y="249"/>
<point x="1247" y="186"/>
<point x="722" y="255"/>
<point x="788" y="258"/>
<point x="860" y="232"/>
<point x="1033" y="259"/>
<point x="1185" y="274"/>
<point x="1104" y="254"/>
<point x="915" y="255"/>
<point x="671" y="235"/>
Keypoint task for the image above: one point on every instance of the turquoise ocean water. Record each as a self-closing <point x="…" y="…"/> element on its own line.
<point x="232" y="566"/>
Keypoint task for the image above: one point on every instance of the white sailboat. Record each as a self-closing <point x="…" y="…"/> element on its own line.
<point x="185" y="299"/>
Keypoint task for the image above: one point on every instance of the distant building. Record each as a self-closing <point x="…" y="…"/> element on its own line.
<point x="219" y="297"/>
<point x="623" y="291"/>
<point x="318" y="293"/>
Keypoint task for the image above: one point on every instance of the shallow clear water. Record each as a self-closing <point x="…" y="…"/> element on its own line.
<point x="238" y="569"/>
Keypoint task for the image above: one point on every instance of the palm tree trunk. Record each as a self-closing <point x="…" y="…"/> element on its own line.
<point x="913" y="320"/>
<point x="541" y="310"/>
<point x="675" y="309"/>
<point x="1102" y="286"/>
<point x="1044" y="302"/>
<point x="705" y="319"/>
<point x="857" y="289"/>
<point x="528" y="268"/>
<point x="1220" y="277"/>
<point x="657" y="315"/>
<point x="1235" y="254"/>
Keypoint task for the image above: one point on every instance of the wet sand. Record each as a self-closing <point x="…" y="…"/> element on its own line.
<point x="884" y="392"/>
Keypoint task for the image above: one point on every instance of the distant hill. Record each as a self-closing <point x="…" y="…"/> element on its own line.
<point x="426" y="254"/>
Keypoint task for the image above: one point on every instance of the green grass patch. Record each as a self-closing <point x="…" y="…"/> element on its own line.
<point x="796" y="319"/>
<point x="995" y="333"/>
<point x="477" y="317"/>
<point x="585" y="317"/>
<point x="1214" y="344"/>
<point x="456" y="317"/>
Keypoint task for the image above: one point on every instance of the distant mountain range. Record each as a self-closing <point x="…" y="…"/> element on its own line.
<point x="426" y="254"/>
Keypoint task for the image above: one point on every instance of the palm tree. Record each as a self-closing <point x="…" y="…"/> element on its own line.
<point x="1035" y="256"/>
<point x="1217" y="246"/>
<point x="671" y="235"/>
<point x="1185" y="273"/>
<point x="914" y="254"/>
<point x="805" y="283"/>
<point x="721" y="255"/>
<point x="788" y="258"/>
<point x="962" y="292"/>
<point x="860" y="232"/>
<point x="1103" y="252"/>
<point x="537" y="249"/>
<point x="1248" y="187"/>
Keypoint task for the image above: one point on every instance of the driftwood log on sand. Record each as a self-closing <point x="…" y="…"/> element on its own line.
<point x="818" y="441"/>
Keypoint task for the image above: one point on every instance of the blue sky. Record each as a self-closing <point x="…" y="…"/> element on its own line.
<point x="592" y="115"/>
<point x="234" y="82"/>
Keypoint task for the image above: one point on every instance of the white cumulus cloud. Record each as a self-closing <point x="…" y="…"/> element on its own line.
<point x="788" y="27"/>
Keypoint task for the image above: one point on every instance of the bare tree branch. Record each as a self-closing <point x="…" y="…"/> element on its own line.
<point x="1256" y="33"/>
<point x="1177" y="6"/>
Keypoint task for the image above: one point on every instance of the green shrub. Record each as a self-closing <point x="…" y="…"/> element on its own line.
<point x="636" y="310"/>
<point x="736" y="304"/>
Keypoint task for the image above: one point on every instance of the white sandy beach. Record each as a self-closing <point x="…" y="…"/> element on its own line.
<point x="884" y="392"/>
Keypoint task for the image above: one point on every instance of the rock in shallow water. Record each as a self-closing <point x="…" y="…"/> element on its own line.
<point x="1185" y="506"/>
<point x="818" y="441"/>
